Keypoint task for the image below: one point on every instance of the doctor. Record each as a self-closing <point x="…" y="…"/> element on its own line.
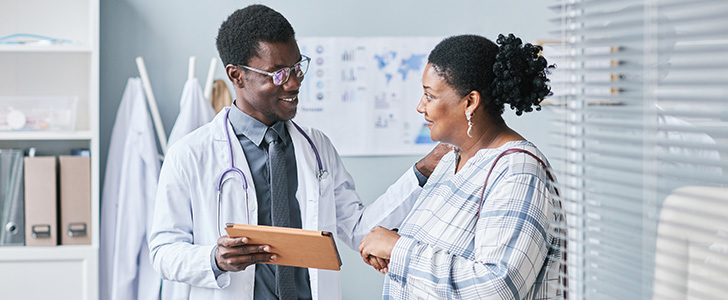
<point x="253" y="165"/>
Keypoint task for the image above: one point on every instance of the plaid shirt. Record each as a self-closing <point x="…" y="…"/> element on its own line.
<point x="443" y="254"/>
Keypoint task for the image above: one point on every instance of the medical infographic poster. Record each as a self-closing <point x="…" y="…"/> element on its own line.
<point x="363" y="93"/>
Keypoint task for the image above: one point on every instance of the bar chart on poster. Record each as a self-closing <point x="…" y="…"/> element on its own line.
<point x="363" y="93"/>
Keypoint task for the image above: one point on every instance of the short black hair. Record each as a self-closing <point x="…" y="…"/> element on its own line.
<point x="239" y="36"/>
<point x="511" y="73"/>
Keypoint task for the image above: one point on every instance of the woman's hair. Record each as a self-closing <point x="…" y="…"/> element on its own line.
<point x="239" y="36"/>
<point x="512" y="73"/>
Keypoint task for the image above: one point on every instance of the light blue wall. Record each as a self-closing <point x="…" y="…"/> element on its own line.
<point x="166" y="33"/>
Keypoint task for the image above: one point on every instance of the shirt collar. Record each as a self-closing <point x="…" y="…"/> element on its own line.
<point x="245" y="125"/>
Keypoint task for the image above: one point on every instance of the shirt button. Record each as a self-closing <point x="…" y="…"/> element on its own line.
<point x="248" y="287"/>
<point x="251" y="206"/>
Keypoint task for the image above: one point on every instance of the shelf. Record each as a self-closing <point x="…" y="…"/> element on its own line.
<point x="22" y="253"/>
<point x="45" y="135"/>
<point x="45" y="48"/>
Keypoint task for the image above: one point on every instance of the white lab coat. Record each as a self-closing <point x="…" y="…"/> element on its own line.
<point x="194" y="111"/>
<point x="127" y="202"/>
<point x="185" y="228"/>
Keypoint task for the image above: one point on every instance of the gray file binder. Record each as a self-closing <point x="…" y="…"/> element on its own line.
<point x="12" y="213"/>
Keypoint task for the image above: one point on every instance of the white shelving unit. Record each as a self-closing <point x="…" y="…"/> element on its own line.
<point x="59" y="272"/>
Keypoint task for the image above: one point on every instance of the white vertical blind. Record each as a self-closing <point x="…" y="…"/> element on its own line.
<point x="644" y="129"/>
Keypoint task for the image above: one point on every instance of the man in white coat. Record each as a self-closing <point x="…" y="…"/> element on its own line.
<point x="258" y="47"/>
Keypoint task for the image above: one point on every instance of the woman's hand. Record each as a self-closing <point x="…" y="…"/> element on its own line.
<point x="379" y="264"/>
<point x="376" y="247"/>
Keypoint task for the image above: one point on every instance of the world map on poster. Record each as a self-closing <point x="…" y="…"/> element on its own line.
<point x="413" y="63"/>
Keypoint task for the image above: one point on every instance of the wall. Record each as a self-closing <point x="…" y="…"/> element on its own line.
<point x="166" y="33"/>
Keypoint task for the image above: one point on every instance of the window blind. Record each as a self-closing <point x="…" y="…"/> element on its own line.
<point x="643" y="125"/>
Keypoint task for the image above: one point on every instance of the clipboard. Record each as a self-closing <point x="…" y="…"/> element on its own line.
<point x="294" y="247"/>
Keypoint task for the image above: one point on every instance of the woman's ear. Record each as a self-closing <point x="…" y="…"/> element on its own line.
<point x="472" y="101"/>
<point x="236" y="75"/>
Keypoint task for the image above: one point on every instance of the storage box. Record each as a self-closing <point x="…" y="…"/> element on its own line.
<point x="29" y="113"/>
<point x="41" y="218"/>
<point x="75" y="192"/>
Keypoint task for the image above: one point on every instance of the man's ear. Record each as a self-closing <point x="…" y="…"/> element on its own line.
<point x="236" y="75"/>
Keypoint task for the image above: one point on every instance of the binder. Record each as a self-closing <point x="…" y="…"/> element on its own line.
<point x="294" y="247"/>
<point x="12" y="212"/>
<point x="40" y="201"/>
<point x="75" y="202"/>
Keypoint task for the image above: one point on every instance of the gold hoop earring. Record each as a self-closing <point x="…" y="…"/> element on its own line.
<point x="468" y="117"/>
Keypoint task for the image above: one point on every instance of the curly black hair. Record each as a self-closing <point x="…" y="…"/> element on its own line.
<point x="511" y="74"/>
<point x="239" y="36"/>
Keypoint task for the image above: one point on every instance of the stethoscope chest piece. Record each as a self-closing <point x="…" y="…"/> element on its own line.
<point x="322" y="174"/>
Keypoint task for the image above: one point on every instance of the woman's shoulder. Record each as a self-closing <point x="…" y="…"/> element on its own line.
<point x="515" y="157"/>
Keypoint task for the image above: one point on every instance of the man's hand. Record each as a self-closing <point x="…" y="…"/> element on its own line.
<point x="428" y="163"/>
<point x="379" y="264"/>
<point x="235" y="254"/>
<point x="376" y="247"/>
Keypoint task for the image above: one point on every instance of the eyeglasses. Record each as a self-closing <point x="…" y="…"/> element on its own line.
<point x="281" y="76"/>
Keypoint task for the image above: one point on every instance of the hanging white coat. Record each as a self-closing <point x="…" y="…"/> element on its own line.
<point x="127" y="202"/>
<point x="194" y="111"/>
<point x="185" y="227"/>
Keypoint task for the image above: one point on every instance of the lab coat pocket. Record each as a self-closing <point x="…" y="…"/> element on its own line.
<point x="326" y="205"/>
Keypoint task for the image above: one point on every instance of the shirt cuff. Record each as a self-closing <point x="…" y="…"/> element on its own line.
<point x="213" y="262"/>
<point x="399" y="259"/>
<point x="421" y="179"/>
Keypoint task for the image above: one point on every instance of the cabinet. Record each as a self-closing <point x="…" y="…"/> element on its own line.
<point x="67" y="70"/>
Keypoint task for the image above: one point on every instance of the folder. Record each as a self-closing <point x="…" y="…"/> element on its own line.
<point x="75" y="202"/>
<point x="12" y="212"/>
<point x="40" y="201"/>
<point x="294" y="247"/>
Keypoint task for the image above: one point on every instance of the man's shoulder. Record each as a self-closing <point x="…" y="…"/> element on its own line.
<point x="195" y="141"/>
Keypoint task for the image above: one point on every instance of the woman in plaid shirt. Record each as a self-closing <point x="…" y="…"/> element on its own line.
<point x="487" y="224"/>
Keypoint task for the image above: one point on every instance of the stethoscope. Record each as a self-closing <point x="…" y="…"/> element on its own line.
<point x="321" y="171"/>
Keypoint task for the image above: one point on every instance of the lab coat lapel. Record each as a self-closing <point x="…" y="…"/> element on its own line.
<point x="308" y="196"/>
<point x="308" y="184"/>
<point x="233" y="187"/>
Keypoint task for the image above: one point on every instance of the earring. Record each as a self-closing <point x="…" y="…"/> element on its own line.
<point x="468" y="116"/>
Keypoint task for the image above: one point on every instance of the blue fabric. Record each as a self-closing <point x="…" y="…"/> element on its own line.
<point x="421" y="178"/>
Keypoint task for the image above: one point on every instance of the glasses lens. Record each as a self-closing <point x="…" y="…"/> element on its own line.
<point x="280" y="76"/>
<point x="302" y="67"/>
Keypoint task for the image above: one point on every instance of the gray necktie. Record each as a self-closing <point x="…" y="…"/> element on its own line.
<point x="285" y="284"/>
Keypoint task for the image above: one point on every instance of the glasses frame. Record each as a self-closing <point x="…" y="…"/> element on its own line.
<point x="286" y="69"/>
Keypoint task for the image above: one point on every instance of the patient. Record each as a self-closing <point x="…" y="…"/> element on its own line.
<point x="488" y="224"/>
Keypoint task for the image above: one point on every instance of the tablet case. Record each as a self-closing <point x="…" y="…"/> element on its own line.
<point x="294" y="247"/>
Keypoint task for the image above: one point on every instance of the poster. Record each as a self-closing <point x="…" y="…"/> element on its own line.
<point x="363" y="93"/>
